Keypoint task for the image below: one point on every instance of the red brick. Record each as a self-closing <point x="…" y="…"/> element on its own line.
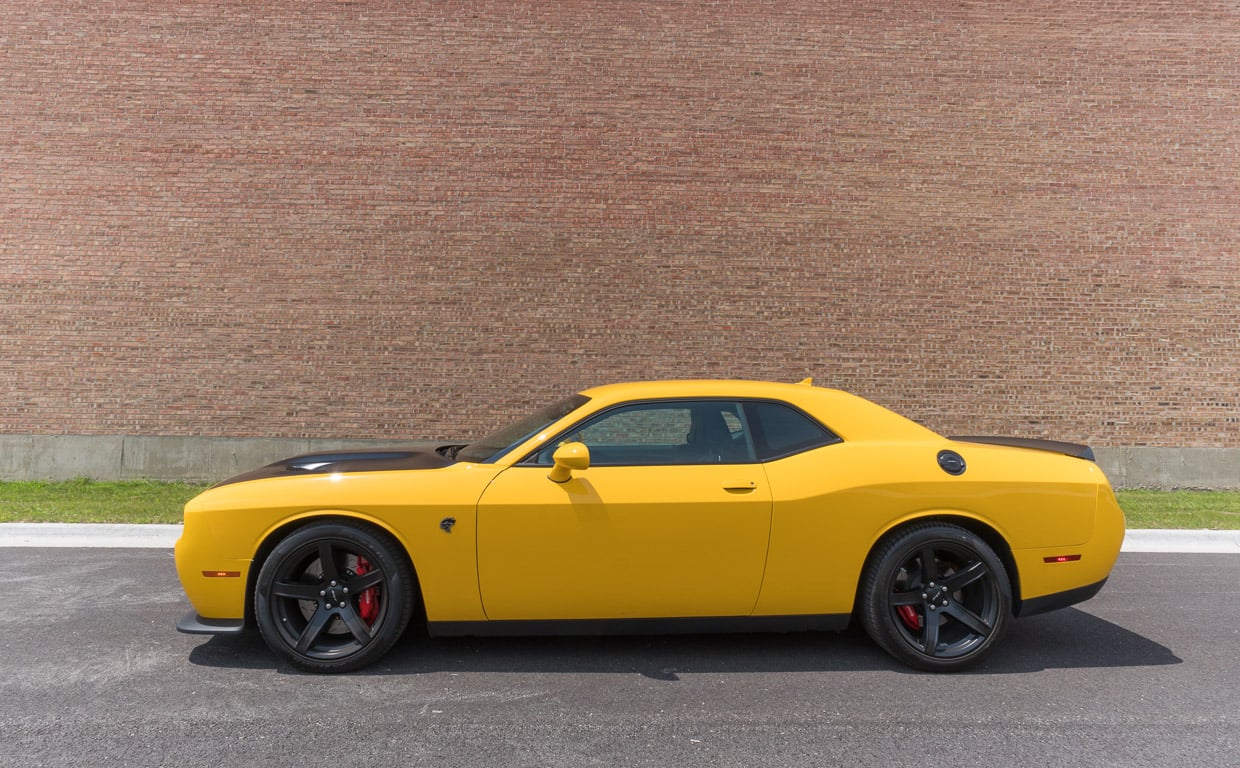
<point x="395" y="219"/>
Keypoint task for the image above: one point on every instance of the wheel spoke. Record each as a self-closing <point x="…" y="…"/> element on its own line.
<point x="963" y="578"/>
<point x="327" y="561"/>
<point x="968" y="618"/>
<point x="366" y="581"/>
<point x="930" y="638"/>
<point x="295" y="590"/>
<point x="360" y="631"/>
<point x="929" y="570"/>
<point x="906" y="598"/>
<point x="318" y="622"/>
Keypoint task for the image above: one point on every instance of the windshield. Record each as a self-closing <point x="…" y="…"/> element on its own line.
<point x="498" y="443"/>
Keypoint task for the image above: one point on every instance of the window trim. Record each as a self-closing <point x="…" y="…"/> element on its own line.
<point x="751" y="433"/>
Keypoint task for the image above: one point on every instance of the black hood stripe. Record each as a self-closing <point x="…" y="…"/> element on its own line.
<point x="329" y="462"/>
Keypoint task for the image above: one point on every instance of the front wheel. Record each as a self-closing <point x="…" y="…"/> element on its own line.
<point x="333" y="597"/>
<point x="936" y="597"/>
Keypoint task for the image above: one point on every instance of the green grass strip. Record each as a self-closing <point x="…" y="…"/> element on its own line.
<point x="1214" y="510"/>
<point x="88" y="501"/>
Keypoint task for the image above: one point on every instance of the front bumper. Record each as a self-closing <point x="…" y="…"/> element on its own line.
<point x="193" y="624"/>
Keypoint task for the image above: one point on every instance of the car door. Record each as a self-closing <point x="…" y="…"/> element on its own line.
<point x="671" y="519"/>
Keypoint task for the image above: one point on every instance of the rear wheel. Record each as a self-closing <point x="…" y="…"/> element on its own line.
<point x="333" y="597"/>
<point x="936" y="597"/>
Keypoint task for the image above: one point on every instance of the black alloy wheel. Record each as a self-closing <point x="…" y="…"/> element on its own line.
<point x="333" y="597"/>
<point x="936" y="597"/>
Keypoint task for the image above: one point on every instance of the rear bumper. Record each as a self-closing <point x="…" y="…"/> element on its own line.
<point x="193" y="624"/>
<point x="1054" y="602"/>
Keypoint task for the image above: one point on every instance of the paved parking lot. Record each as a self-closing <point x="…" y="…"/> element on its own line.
<point x="94" y="674"/>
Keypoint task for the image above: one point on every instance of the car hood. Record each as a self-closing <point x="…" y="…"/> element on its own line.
<point x="331" y="462"/>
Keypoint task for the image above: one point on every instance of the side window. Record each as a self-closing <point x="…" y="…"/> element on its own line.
<point x="698" y="432"/>
<point x="654" y="429"/>
<point x="780" y="430"/>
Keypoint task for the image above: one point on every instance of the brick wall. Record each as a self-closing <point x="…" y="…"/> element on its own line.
<point x="393" y="219"/>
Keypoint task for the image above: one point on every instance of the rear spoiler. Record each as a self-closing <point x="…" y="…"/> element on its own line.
<point x="1054" y="446"/>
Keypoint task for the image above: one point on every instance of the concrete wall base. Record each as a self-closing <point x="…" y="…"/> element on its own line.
<point x="187" y="459"/>
<point x="210" y="459"/>
<point x="1149" y="467"/>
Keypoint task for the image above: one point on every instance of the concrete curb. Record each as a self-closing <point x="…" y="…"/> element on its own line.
<point x="164" y="536"/>
<point x="1196" y="542"/>
<point x="150" y="536"/>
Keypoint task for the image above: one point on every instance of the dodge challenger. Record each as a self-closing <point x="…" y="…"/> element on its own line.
<point x="680" y="506"/>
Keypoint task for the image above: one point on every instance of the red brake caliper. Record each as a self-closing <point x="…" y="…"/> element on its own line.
<point x="368" y="601"/>
<point x="909" y="616"/>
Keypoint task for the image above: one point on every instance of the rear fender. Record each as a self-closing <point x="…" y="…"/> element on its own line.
<point x="984" y="529"/>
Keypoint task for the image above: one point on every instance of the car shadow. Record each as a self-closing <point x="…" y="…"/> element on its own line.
<point x="1065" y="639"/>
<point x="1073" y="639"/>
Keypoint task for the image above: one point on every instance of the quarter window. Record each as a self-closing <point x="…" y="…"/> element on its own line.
<point x="780" y="430"/>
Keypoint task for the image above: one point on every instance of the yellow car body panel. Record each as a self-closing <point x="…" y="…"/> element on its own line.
<point x="624" y="542"/>
<point x="499" y="541"/>
<point x="226" y="527"/>
<point x="1046" y="571"/>
<point x="837" y="502"/>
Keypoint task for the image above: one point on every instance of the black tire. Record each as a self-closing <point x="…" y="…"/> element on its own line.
<point x="334" y="597"/>
<point x="936" y="597"/>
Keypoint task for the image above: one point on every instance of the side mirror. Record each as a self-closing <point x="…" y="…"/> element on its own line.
<point x="568" y="457"/>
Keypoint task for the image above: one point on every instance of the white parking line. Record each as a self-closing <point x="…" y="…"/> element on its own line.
<point x="1196" y="542"/>
<point x="150" y="536"/>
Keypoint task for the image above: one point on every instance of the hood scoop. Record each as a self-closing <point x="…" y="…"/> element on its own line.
<point x="322" y="462"/>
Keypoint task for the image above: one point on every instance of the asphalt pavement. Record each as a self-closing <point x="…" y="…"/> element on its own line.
<point x="93" y="673"/>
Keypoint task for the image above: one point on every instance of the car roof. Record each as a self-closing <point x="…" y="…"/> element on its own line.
<point x="849" y="416"/>
<point x="694" y="388"/>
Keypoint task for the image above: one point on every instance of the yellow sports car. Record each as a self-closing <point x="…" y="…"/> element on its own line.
<point x="684" y="506"/>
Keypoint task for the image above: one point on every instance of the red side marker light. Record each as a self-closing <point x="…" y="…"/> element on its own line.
<point x="222" y="574"/>
<point x="1061" y="559"/>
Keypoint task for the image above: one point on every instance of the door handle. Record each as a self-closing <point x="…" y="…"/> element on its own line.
<point x="740" y="487"/>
